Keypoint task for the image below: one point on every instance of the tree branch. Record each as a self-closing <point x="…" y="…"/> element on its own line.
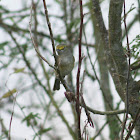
<point x="53" y="46"/>
<point x="128" y="76"/>
<point x="44" y="87"/>
<point x="133" y="125"/>
<point x="34" y="43"/>
<point x="104" y="34"/>
<point x="78" y="73"/>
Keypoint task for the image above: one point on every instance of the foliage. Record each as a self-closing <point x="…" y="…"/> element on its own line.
<point x="31" y="118"/>
<point x="135" y="48"/>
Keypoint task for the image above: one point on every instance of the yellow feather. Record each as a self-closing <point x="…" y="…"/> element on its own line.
<point x="60" y="47"/>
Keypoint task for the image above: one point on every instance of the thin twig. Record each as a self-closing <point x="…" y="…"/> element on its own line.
<point x="115" y="112"/>
<point x="44" y="87"/>
<point x="14" y="100"/>
<point x="9" y="135"/>
<point x="100" y="131"/>
<point x="62" y="80"/>
<point x="129" y="58"/>
<point x="84" y="130"/>
<point x="50" y="30"/>
<point x="128" y="76"/>
<point x="31" y="124"/>
<point x="133" y="125"/>
<point x="82" y="82"/>
<point x="139" y="9"/>
<point x="78" y="72"/>
<point x="4" y="130"/>
<point x="33" y="41"/>
<point x="87" y="113"/>
<point x="84" y="104"/>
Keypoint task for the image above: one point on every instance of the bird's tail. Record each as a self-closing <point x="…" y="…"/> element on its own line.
<point x="56" y="84"/>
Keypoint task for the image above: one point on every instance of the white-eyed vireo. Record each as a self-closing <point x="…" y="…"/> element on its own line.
<point x="65" y="61"/>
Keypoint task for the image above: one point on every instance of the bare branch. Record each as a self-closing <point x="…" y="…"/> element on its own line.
<point x="133" y="125"/>
<point x="78" y="72"/>
<point x="128" y="77"/>
<point x="114" y="112"/>
<point x="34" y="43"/>
<point x="100" y="130"/>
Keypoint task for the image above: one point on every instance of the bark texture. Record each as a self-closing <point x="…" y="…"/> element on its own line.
<point x="115" y="56"/>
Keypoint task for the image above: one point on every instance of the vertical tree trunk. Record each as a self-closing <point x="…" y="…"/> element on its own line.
<point x="104" y="79"/>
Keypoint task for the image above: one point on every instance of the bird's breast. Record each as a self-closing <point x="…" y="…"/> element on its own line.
<point x="65" y="64"/>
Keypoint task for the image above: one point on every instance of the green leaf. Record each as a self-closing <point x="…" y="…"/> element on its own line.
<point x="31" y="118"/>
<point x="9" y="93"/>
<point x="25" y="47"/>
<point x="58" y="38"/>
<point x="3" y="44"/>
<point x="42" y="131"/>
<point x="135" y="48"/>
<point x="21" y="70"/>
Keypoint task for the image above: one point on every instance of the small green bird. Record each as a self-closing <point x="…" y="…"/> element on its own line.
<point x="65" y="61"/>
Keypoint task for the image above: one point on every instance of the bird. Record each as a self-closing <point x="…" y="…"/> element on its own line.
<point x="65" y="60"/>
